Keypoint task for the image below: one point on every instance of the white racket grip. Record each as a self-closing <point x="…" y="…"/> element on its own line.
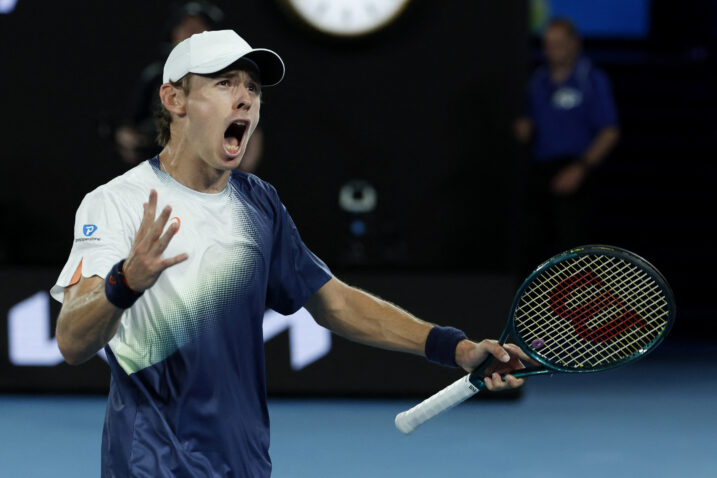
<point x="454" y="394"/>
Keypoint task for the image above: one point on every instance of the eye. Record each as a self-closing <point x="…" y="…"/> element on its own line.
<point x="253" y="87"/>
<point x="223" y="83"/>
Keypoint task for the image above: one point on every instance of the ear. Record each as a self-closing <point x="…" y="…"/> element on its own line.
<point x="173" y="98"/>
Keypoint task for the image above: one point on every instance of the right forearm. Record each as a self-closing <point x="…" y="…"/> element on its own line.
<point x="88" y="320"/>
<point x="86" y="324"/>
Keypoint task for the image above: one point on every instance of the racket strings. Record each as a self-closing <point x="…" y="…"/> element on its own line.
<point x="611" y="332"/>
<point x="564" y="334"/>
<point x="623" y="291"/>
<point x="566" y="347"/>
<point x="581" y="348"/>
<point x="590" y="311"/>
<point x="623" y="336"/>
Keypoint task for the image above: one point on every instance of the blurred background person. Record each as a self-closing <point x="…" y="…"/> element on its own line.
<point x="135" y="137"/>
<point x="571" y="123"/>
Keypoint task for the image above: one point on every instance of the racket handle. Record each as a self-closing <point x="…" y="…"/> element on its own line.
<point x="455" y="393"/>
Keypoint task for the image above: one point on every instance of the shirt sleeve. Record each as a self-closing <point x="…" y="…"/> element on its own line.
<point x="101" y="239"/>
<point x="603" y="111"/>
<point x="295" y="273"/>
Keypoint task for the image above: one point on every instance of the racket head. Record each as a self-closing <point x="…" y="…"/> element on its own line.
<point x="591" y="308"/>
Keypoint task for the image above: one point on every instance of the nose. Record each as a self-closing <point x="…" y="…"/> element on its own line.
<point x="244" y="99"/>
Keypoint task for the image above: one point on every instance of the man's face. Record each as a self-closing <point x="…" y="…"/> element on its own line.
<point x="560" y="47"/>
<point x="221" y="114"/>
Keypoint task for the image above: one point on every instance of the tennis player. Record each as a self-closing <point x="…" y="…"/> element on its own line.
<point x="176" y="294"/>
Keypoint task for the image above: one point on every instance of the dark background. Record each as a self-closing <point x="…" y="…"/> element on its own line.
<point x="422" y="111"/>
<point x="418" y="111"/>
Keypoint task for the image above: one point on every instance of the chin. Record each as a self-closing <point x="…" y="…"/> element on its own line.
<point x="230" y="162"/>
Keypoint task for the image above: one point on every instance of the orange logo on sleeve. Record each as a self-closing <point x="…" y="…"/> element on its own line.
<point x="177" y="220"/>
<point x="77" y="275"/>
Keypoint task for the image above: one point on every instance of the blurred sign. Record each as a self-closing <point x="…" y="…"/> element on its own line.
<point x="30" y="341"/>
<point x="7" y="6"/>
<point x="308" y="341"/>
<point x="301" y="356"/>
<point x="28" y="328"/>
<point x="605" y="19"/>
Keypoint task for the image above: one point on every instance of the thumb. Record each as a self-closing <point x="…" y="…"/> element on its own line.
<point x="496" y="350"/>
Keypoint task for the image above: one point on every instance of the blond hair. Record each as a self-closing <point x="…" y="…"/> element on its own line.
<point x="163" y="118"/>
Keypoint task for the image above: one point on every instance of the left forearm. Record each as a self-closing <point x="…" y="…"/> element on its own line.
<point x="367" y="319"/>
<point x="364" y="318"/>
<point x="601" y="146"/>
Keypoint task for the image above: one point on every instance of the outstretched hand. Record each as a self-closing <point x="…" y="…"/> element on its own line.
<point x="144" y="264"/>
<point x="507" y="358"/>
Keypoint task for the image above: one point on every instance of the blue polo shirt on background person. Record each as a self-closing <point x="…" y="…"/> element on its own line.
<point x="571" y="120"/>
<point x="569" y="115"/>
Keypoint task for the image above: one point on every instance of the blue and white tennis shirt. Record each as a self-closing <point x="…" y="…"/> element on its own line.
<point x="187" y="396"/>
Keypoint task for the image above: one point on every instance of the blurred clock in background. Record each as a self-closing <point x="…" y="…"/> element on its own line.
<point x="346" y="18"/>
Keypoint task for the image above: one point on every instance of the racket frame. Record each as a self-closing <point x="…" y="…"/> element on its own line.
<point x="470" y="384"/>
<point x="546" y="367"/>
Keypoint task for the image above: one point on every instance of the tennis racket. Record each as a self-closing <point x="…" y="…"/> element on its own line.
<point x="586" y="310"/>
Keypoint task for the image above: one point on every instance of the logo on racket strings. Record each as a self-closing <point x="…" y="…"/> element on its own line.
<point x="624" y="320"/>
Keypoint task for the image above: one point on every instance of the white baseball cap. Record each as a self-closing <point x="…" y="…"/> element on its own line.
<point x="209" y="52"/>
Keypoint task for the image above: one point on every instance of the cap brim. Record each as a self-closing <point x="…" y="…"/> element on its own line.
<point x="271" y="66"/>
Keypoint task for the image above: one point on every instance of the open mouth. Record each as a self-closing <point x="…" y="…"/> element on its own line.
<point x="233" y="137"/>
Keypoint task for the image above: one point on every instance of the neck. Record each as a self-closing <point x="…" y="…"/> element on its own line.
<point x="561" y="71"/>
<point x="187" y="168"/>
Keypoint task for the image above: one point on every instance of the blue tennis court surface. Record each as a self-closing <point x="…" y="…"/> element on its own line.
<point x="656" y="418"/>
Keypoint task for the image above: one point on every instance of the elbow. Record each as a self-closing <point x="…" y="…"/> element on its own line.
<point x="321" y="319"/>
<point x="325" y="317"/>
<point x="74" y="357"/>
<point x="72" y="360"/>
<point x="329" y="304"/>
<point x="69" y="353"/>
<point x="70" y="350"/>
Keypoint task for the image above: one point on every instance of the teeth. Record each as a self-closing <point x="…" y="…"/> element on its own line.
<point x="232" y="149"/>
<point x="240" y="123"/>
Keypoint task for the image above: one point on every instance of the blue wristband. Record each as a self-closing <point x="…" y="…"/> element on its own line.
<point x="117" y="291"/>
<point x="441" y="345"/>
